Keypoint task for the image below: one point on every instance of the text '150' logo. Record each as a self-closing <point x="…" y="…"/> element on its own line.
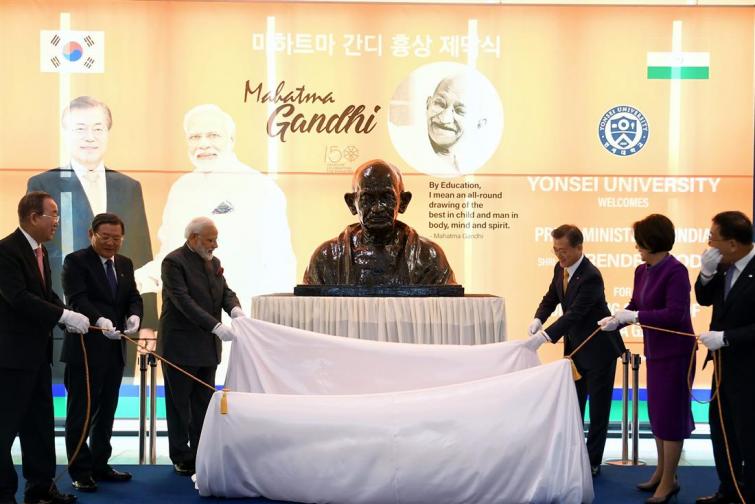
<point x="623" y="130"/>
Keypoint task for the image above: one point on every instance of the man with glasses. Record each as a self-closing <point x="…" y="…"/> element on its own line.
<point x="86" y="187"/>
<point x="727" y="283"/>
<point x="29" y="309"/>
<point x="195" y="293"/>
<point x="98" y="282"/>
<point x="578" y="287"/>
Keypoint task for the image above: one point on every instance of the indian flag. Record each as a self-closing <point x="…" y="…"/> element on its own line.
<point x="678" y="65"/>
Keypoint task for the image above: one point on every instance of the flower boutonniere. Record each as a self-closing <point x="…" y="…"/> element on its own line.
<point x="219" y="272"/>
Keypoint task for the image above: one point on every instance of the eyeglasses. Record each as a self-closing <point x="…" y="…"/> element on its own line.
<point x="711" y="239"/>
<point x="55" y="218"/>
<point x="110" y="239"/>
<point x="82" y="131"/>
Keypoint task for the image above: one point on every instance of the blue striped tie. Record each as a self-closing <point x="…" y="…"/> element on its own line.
<point x="111" y="276"/>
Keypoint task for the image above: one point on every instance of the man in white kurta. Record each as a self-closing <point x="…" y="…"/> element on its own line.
<point x="248" y="208"/>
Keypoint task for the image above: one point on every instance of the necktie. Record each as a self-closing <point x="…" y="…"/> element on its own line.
<point x="110" y="272"/>
<point x="566" y="279"/>
<point x="727" y="280"/>
<point x="40" y="263"/>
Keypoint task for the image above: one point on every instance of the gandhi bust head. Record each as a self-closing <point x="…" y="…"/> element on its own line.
<point x="377" y="197"/>
<point x="379" y="249"/>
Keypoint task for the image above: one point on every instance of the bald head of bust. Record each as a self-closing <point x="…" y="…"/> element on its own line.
<point x="377" y="196"/>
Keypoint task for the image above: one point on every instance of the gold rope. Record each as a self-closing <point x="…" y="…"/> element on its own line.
<point x="717" y="367"/>
<point x="166" y="361"/>
<point x="691" y="361"/>
<point x="87" y="416"/>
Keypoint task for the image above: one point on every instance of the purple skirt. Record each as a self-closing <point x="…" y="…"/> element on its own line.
<point x="669" y="403"/>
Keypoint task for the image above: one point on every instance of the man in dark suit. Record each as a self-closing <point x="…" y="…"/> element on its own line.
<point x="726" y="282"/>
<point x="578" y="286"/>
<point x="99" y="283"/>
<point x="29" y="309"/>
<point x="194" y="294"/>
<point x="84" y="188"/>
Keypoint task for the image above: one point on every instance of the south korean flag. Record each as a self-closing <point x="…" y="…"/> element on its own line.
<point x="68" y="51"/>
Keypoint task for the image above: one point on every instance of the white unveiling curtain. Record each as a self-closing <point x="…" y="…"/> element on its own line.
<point x="315" y="418"/>
<point x="276" y="359"/>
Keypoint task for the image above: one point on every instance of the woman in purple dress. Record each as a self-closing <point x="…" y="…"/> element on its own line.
<point x="661" y="298"/>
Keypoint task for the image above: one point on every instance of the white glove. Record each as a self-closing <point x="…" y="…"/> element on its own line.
<point x="107" y="329"/>
<point x="534" y="326"/>
<point x="625" y="316"/>
<point x="75" y="322"/>
<point x="709" y="261"/>
<point x="712" y="339"/>
<point x="132" y="325"/>
<point x="237" y="312"/>
<point x="608" y="324"/>
<point x="537" y="339"/>
<point x="223" y="332"/>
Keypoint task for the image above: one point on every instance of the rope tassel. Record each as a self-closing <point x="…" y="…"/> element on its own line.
<point x="574" y="373"/>
<point x="224" y="402"/>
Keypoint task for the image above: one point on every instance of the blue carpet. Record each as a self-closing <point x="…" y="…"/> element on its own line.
<point x="159" y="484"/>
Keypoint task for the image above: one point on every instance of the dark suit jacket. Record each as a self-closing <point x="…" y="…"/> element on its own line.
<point x="28" y="311"/>
<point x="736" y="318"/>
<point x="88" y="292"/>
<point x="124" y="198"/>
<point x="193" y="300"/>
<point x="583" y="306"/>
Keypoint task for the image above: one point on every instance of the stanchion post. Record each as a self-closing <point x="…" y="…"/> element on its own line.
<point x="152" y="410"/>
<point x="636" y="361"/>
<point x="626" y="358"/>
<point x="142" y="407"/>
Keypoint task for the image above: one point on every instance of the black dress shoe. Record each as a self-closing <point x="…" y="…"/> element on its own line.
<point x="86" y="484"/>
<point x="184" y="468"/>
<point x="111" y="474"/>
<point x="595" y="470"/>
<point x="716" y="498"/>
<point x="52" y="496"/>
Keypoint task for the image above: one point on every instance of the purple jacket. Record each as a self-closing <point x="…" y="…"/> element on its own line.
<point x="661" y="295"/>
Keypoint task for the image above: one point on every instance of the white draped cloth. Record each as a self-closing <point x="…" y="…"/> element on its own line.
<point x="316" y="418"/>
<point x="465" y="320"/>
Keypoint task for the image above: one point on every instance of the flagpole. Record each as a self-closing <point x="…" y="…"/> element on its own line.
<point x="64" y="95"/>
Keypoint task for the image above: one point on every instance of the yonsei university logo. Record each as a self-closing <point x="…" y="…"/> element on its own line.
<point x="623" y="130"/>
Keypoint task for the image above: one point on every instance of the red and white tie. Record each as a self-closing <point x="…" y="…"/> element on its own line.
<point x="40" y="263"/>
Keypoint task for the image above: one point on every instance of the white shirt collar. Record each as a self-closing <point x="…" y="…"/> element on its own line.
<point x="571" y="269"/>
<point x="742" y="263"/>
<point x="34" y="244"/>
<point x="82" y="171"/>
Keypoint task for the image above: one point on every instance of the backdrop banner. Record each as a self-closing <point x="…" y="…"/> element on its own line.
<point x="506" y="121"/>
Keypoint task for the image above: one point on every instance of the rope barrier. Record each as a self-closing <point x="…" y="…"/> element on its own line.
<point x="691" y="361"/>
<point x="87" y="416"/>
<point x="88" y="381"/>
<point x="717" y="369"/>
<point x="575" y="373"/>
<point x="223" y="398"/>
